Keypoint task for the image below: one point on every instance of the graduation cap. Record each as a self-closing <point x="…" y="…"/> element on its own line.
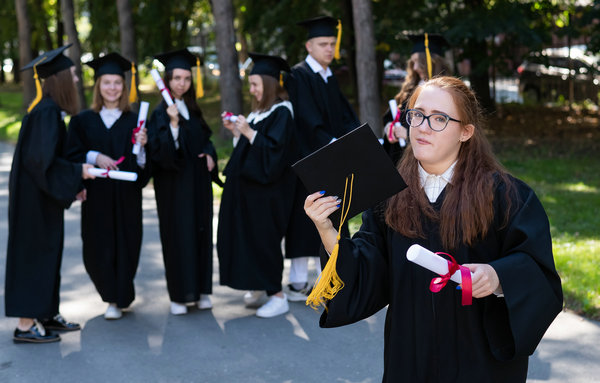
<point x="428" y="43"/>
<point x="356" y="167"/>
<point x="45" y="65"/>
<point x="269" y="65"/>
<point x="114" y="63"/>
<point x="183" y="59"/>
<point x="324" y="26"/>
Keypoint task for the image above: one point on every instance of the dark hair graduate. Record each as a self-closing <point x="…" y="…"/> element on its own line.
<point x="61" y="88"/>
<point x="439" y="68"/>
<point x="273" y="93"/>
<point x="467" y="210"/>
<point x="189" y="97"/>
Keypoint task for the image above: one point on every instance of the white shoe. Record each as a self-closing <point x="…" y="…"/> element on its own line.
<point x="274" y="306"/>
<point x="178" y="308"/>
<point x="204" y="303"/>
<point x="113" y="312"/>
<point x="254" y="298"/>
<point x="294" y="295"/>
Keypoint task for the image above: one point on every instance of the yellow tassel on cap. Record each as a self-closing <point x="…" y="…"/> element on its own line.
<point x="338" y="41"/>
<point x="329" y="282"/>
<point x="428" y="55"/>
<point x="133" y="96"/>
<point x="38" y="90"/>
<point x="281" y="80"/>
<point x="199" y="87"/>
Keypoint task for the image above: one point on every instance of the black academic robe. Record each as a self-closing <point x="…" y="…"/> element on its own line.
<point x="256" y="203"/>
<point x="321" y="113"/>
<point x="42" y="184"/>
<point x="184" y="200"/>
<point x="111" y="216"/>
<point x="431" y="337"/>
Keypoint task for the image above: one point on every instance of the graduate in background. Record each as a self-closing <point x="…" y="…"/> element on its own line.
<point x="461" y="201"/>
<point x="417" y="72"/>
<point x="184" y="162"/>
<point x="42" y="184"/>
<point x="256" y="202"/>
<point x="322" y="115"/>
<point x="111" y="215"/>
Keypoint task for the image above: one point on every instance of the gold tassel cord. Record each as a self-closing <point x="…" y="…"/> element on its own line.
<point x="329" y="282"/>
<point x="199" y="87"/>
<point x="281" y="80"/>
<point x="428" y="55"/>
<point x="38" y="87"/>
<point x="133" y="96"/>
<point x="338" y="40"/>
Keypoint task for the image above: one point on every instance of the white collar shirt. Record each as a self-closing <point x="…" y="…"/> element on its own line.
<point x="110" y="116"/>
<point x="432" y="184"/>
<point x="317" y="68"/>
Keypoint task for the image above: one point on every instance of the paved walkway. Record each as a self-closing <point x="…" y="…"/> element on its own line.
<point x="228" y="343"/>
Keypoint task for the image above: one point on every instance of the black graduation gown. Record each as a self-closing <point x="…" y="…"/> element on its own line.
<point x="432" y="337"/>
<point x="111" y="216"/>
<point x="321" y="113"/>
<point x="42" y="184"/>
<point x="184" y="200"/>
<point x="256" y="203"/>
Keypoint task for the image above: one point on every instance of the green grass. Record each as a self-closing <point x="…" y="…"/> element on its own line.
<point x="11" y="100"/>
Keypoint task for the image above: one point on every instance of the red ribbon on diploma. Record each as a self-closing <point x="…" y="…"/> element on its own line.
<point x="438" y="283"/>
<point x="117" y="162"/>
<point x="396" y="119"/>
<point x="139" y="127"/>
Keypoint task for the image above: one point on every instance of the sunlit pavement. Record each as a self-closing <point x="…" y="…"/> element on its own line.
<point x="227" y="343"/>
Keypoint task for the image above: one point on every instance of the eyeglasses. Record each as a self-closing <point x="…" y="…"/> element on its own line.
<point x="436" y="121"/>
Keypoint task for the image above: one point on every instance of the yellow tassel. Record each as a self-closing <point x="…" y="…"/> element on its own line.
<point x="199" y="87"/>
<point x="38" y="90"/>
<point x="133" y="96"/>
<point x="281" y="80"/>
<point x="338" y="41"/>
<point x="329" y="282"/>
<point x="428" y="54"/>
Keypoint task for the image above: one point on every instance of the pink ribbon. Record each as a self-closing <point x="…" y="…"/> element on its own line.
<point x="139" y="127"/>
<point x="117" y="162"/>
<point x="396" y="119"/>
<point x="438" y="283"/>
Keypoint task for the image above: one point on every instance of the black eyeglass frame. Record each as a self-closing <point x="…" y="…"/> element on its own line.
<point x="448" y="119"/>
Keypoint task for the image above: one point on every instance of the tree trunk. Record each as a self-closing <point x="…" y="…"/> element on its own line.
<point x="60" y="28"/>
<point x="366" y="65"/>
<point x="68" y="14"/>
<point x="25" y="55"/>
<point x="127" y="35"/>
<point x="229" y="79"/>
<point x="479" y="76"/>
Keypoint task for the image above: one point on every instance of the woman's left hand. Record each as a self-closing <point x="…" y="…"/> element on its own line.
<point x="141" y="137"/>
<point x="210" y="163"/>
<point x="484" y="280"/>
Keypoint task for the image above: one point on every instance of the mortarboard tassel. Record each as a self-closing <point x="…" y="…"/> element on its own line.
<point x="338" y="41"/>
<point x="38" y="87"/>
<point x="133" y="96"/>
<point x="329" y="282"/>
<point x="428" y="55"/>
<point x="199" y="87"/>
<point x="281" y="80"/>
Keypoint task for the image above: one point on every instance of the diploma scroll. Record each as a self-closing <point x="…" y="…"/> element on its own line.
<point x="431" y="261"/>
<point x="231" y="117"/>
<point x="161" y="87"/>
<point x="141" y="123"/>
<point x="114" y="174"/>
<point x="394" y="110"/>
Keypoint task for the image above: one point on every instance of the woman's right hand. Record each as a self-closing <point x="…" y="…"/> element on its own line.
<point x="85" y="174"/>
<point x="173" y="115"/>
<point x="229" y="125"/>
<point x="105" y="162"/>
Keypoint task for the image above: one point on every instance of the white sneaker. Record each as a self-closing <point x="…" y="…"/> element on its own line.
<point x="178" y="308"/>
<point x="113" y="312"/>
<point x="294" y="295"/>
<point x="274" y="306"/>
<point x="254" y="298"/>
<point x="204" y="303"/>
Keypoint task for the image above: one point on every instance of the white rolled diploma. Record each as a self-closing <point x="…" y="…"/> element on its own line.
<point x="394" y="110"/>
<point x="161" y="86"/>
<point x="114" y="174"/>
<point x="431" y="261"/>
<point x="141" y="123"/>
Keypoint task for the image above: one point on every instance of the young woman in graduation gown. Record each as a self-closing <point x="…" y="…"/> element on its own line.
<point x="184" y="162"/>
<point x="111" y="215"/>
<point x="257" y="198"/>
<point x="492" y="223"/>
<point x="42" y="184"/>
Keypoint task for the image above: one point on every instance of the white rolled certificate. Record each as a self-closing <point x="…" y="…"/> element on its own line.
<point x="141" y="123"/>
<point x="431" y="261"/>
<point x="161" y="86"/>
<point x="114" y="174"/>
<point x="394" y="110"/>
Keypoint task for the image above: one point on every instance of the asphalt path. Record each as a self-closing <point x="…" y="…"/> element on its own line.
<point x="228" y="343"/>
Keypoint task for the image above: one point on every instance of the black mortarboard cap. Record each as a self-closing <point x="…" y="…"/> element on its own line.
<point x="268" y="65"/>
<point x="437" y="43"/>
<point x="50" y="62"/>
<point x="320" y="26"/>
<point x="112" y="63"/>
<point x="360" y="153"/>
<point x="179" y="59"/>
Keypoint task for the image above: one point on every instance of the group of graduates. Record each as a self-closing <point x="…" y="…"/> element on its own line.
<point x="459" y="200"/>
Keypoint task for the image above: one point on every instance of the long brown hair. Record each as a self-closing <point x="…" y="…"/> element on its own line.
<point x="467" y="210"/>
<point x="98" y="100"/>
<point x="438" y="68"/>
<point x="272" y="94"/>
<point x="188" y="97"/>
<point x="61" y="88"/>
